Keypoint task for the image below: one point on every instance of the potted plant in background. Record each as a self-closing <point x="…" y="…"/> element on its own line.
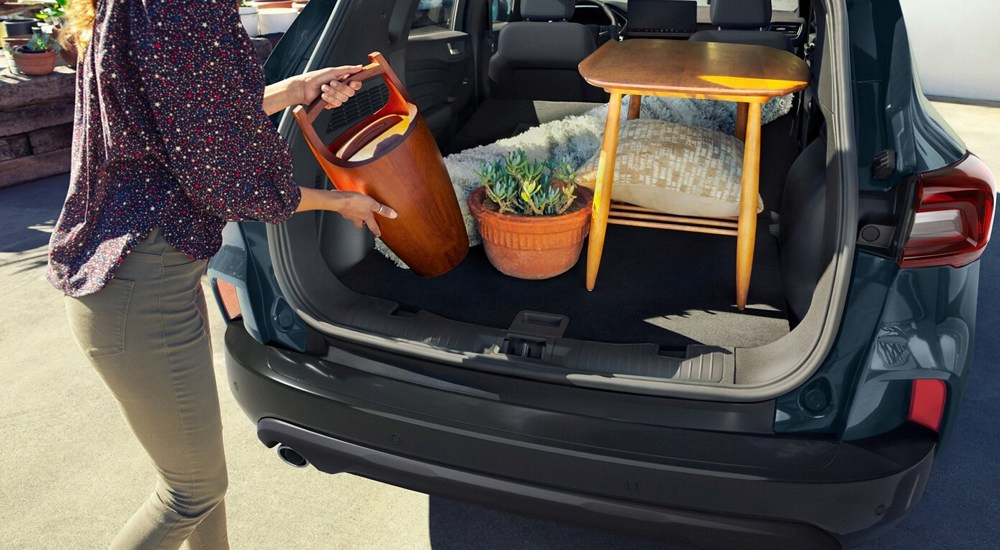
<point x="51" y="17"/>
<point x="37" y="57"/>
<point x="531" y="215"/>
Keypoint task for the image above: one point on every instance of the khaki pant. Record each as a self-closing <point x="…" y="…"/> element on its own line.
<point x="147" y="334"/>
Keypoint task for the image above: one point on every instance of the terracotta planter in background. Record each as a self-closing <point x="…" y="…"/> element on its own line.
<point x="35" y="63"/>
<point x="69" y="55"/>
<point x="533" y="247"/>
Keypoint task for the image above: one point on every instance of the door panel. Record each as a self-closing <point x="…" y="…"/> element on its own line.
<point x="440" y="71"/>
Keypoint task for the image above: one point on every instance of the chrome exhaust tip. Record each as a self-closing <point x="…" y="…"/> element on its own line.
<point x="292" y="457"/>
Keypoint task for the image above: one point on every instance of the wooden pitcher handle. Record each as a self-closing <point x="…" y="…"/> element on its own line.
<point x="378" y="66"/>
<point x="318" y="105"/>
<point x="305" y="115"/>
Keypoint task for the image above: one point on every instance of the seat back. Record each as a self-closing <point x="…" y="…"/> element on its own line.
<point x="537" y="57"/>
<point x="743" y="22"/>
<point x="741" y="14"/>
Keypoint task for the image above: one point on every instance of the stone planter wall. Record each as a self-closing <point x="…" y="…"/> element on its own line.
<point x="36" y="124"/>
<point x="36" y="120"/>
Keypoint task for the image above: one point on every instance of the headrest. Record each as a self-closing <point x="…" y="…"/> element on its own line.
<point x="741" y="14"/>
<point x="547" y="10"/>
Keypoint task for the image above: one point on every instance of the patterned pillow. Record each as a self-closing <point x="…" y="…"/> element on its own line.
<point x="677" y="169"/>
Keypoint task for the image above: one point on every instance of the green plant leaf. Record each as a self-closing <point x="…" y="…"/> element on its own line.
<point x="519" y="185"/>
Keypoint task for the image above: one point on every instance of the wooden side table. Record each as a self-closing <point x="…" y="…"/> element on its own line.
<point x="748" y="75"/>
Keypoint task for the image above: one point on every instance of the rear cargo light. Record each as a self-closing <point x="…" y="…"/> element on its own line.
<point x="229" y="299"/>
<point x="954" y="215"/>
<point x="927" y="403"/>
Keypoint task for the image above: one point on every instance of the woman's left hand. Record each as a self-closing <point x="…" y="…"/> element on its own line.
<point x="359" y="209"/>
<point x="329" y="83"/>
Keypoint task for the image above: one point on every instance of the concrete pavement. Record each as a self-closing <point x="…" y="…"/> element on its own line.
<point x="979" y="126"/>
<point x="72" y="473"/>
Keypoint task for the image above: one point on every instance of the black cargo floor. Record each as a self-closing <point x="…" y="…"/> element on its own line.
<point x="665" y="287"/>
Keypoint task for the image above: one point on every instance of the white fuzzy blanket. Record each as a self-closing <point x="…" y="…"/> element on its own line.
<point x="577" y="138"/>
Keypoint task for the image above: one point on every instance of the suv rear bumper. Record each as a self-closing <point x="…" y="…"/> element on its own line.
<point x="340" y="422"/>
<point x="332" y="455"/>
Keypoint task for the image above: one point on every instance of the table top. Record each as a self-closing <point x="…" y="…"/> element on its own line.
<point x="701" y="70"/>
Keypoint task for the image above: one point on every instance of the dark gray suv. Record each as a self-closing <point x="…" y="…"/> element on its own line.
<point x="652" y="405"/>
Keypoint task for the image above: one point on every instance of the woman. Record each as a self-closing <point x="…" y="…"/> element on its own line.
<point x="171" y="140"/>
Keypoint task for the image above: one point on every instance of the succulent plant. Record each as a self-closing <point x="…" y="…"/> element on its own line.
<point x="40" y="41"/>
<point x="526" y="187"/>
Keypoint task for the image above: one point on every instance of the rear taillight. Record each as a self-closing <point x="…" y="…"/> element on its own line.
<point x="927" y="403"/>
<point x="229" y="299"/>
<point x="954" y="214"/>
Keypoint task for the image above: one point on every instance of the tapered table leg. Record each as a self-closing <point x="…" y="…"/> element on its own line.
<point x="602" y="189"/>
<point x="747" y="229"/>
<point x="741" y="121"/>
<point x="634" y="104"/>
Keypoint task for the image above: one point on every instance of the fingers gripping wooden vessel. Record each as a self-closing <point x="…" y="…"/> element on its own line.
<point x="392" y="157"/>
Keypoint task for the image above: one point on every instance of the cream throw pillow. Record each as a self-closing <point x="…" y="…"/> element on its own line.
<point x="677" y="169"/>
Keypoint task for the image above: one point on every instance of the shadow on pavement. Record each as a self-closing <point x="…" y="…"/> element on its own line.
<point x="458" y="526"/>
<point x="27" y="214"/>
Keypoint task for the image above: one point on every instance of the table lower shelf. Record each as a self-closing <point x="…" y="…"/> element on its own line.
<point x="623" y="213"/>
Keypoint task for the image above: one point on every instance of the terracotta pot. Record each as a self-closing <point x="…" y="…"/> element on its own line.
<point x="70" y="55"/>
<point x="35" y="63"/>
<point x="532" y="247"/>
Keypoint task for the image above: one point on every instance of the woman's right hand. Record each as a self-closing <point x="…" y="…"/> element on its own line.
<point x="360" y="209"/>
<point x="329" y="84"/>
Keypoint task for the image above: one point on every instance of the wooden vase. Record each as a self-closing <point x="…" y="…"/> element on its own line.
<point x="533" y="247"/>
<point x="35" y="63"/>
<point x="392" y="157"/>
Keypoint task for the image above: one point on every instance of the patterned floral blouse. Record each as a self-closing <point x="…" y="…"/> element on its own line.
<point x="169" y="132"/>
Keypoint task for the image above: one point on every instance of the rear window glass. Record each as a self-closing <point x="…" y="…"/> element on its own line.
<point x="776" y="5"/>
<point x="433" y="16"/>
<point x="500" y="10"/>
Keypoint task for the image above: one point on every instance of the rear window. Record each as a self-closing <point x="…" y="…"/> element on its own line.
<point x="433" y="16"/>
<point x="776" y="5"/>
<point x="500" y="10"/>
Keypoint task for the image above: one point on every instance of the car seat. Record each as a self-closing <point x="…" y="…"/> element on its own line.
<point x="537" y="57"/>
<point x="743" y="22"/>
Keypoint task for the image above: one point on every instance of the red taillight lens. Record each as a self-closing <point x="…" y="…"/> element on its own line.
<point x="230" y="301"/>
<point x="954" y="215"/>
<point x="927" y="403"/>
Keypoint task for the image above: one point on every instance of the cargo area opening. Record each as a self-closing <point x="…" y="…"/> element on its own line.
<point x="663" y="309"/>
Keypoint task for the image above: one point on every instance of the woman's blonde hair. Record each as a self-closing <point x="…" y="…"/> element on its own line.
<point x="78" y="24"/>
